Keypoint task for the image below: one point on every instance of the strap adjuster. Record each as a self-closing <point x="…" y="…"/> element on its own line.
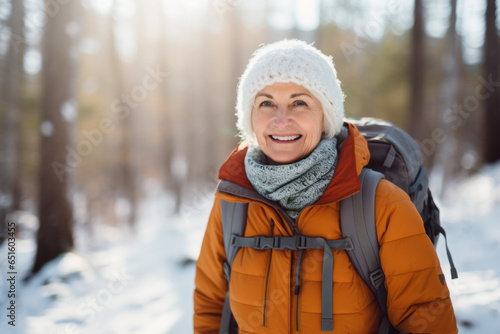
<point x="264" y="243"/>
<point x="349" y="244"/>
<point x="232" y="242"/>
<point x="377" y="278"/>
<point x="276" y="242"/>
<point x="301" y="242"/>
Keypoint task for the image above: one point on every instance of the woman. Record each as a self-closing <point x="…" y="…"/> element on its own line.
<point x="297" y="161"/>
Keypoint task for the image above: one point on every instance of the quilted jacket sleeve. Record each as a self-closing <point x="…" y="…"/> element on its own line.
<point x="210" y="283"/>
<point x="418" y="298"/>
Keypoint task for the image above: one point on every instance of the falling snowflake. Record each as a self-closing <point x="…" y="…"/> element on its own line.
<point x="46" y="128"/>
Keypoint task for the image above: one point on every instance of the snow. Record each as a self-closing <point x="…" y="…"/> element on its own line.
<point x="470" y="213"/>
<point x="69" y="110"/>
<point x="143" y="283"/>
<point x="90" y="46"/>
<point x="47" y="128"/>
<point x="179" y="166"/>
<point x="5" y="200"/>
<point x="32" y="61"/>
<point x="73" y="29"/>
<point x="123" y="207"/>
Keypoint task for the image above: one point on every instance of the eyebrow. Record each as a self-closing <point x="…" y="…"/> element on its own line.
<point x="269" y="96"/>
<point x="299" y="94"/>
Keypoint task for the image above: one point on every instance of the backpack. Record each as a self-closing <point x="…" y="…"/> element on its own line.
<point x="396" y="156"/>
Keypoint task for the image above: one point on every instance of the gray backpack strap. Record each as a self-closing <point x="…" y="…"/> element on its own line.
<point x="301" y="242"/>
<point x="234" y="221"/>
<point x="357" y="221"/>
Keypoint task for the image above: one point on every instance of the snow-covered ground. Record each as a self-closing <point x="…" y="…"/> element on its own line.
<point x="144" y="283"/>
<point x="470" y="213"/>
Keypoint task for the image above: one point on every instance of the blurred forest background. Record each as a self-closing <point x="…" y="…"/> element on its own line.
<point x="104" y="101"/>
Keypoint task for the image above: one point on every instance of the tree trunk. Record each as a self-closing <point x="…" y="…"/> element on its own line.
<point x="10" y="162"/>
<point x="59" y="111"/>
<point x="491" y="70"/>
<point x="125" y="176"/>
<point x="172" y="123"/>
<point x="417" y="70"/>
<point x="237" y="67"/>
<point x="447" y="159"/>
<point x="200" y="149"/>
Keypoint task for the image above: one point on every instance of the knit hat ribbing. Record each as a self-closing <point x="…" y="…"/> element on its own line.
<point x="291" y="61"/>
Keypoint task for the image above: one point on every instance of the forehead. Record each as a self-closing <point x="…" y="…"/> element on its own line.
<point x="279" y="88"/>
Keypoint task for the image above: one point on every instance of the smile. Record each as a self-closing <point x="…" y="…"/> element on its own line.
<point x="285" y="138"/>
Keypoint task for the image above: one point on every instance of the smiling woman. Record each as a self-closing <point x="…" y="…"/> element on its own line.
<point x="277" y="269"/>
<point x="287" y="121"/>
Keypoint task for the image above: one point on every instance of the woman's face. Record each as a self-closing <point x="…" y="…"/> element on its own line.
<point x="287" y="121"/>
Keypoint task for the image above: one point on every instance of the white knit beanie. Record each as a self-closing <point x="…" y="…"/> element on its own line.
<point x="291" y="60"/>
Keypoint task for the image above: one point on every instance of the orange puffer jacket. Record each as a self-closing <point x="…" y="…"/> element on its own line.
<point x="262" y="295"/>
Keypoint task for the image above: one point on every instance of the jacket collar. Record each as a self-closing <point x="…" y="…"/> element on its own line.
<point x="354" y="155"/>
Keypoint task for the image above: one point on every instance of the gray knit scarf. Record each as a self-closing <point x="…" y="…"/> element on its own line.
<point x="296" y="185"/>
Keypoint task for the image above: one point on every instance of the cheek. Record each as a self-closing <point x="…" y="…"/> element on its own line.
<point x="316" y="125"/>
<point x="259" y="124"/>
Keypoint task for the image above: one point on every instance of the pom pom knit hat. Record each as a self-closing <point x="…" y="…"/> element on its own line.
<point x="291" y="61"/>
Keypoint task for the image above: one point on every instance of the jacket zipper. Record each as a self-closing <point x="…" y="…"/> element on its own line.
<point x="298" y="294"/>
<point x="264" y="313"/>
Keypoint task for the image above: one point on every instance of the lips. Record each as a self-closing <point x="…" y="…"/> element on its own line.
<point x="285" y="138"/>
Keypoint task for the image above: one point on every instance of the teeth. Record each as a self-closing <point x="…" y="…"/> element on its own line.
<point x="285" y="138"/>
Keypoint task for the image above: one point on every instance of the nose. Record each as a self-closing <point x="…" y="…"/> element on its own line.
<point x="281" y="120"/>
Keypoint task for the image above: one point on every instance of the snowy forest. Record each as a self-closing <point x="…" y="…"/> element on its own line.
<point x="115" y="116"/>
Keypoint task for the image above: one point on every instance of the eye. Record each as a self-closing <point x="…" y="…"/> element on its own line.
<point x="299" y="103"/>
<point x="266" y="104"/>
